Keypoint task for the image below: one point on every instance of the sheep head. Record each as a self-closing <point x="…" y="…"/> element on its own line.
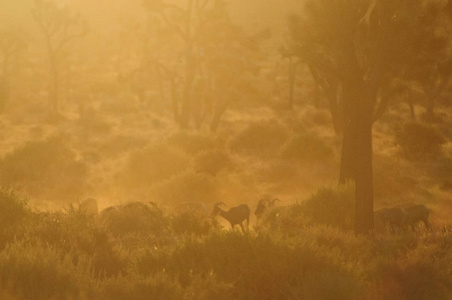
<point x="216" y="208"/>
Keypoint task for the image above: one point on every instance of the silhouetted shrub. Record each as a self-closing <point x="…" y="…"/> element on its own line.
<point x="92" y="122"/>
<point x="267" y="267"/>
<point x="160" y="286"/>
<point x="187" y="186"/>
<point x="13" y="208"/>
<point x="121" y="143"/>
<point x="41" y="272"/>
<point x="212" y="162"/>
<point x="155" y="163"/>
<point x="76" y="231"/>
<point x="306" y="148"/>
<point x="194" y="142"/>
<point x="333" y="207"/>
<point x="192" y="223"/>
<point x="418" y="141"/>
<point x="263" y="138"/>
<point x="135" y="218"/>
<point x="45" y="166"/>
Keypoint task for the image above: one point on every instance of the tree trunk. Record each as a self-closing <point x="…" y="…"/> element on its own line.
<point x="292" y="73"/>
<point x="174" y="98"/>
<point x="54" y="86"/>
<point x="4" y="93"/>
<point x="220" y="108"/>
<point x="356" y="160"/>
<point x="187" y="93"/>
<point x="336" y="114"/>
<point x="429" y="109"/>
<point x="411" y="105"/>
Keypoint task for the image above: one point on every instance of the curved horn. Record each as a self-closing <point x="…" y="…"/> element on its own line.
<point x="219" y="203"/>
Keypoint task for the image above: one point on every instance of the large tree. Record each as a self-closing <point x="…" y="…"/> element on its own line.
<point x="11" y="42"/>
<point x="59" y="26"/>
<point x="356" y="45"/>
<point x="212" y="58"/>
<point x="430" y="54"/>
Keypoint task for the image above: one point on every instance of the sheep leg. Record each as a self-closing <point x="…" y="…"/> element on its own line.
<point x="427" y="224"/>
<point x="243" y="227"/>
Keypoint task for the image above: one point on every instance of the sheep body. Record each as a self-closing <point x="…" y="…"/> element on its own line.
<point x="417" y="213"/>
<point x="395" y="217"/>
<point x="235" y="215"/>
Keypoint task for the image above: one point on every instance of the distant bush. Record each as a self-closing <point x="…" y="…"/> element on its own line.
<point x="418" y="141"/>
<point x="191" y="223"/>
<point x="118" y="144"/>
<point x="306" y="148"/>
<point x="48" y="166"/>
<point x="187" y="186"/>
<point x="135" y="218"/>
<point x="327" y="207"/>
<point x="267" y="267"/>
<point x="92" y="122"/>
<point x="76" y="231"/>
<point x="150" y="165"/>
<point x="13" y="208"/>
<point x="160" y="286"/>
<point x="212" y="162"/>
<point x="262" y="138"/>
<point x="40" y="272"/>
<point x="333" y="207"/>
<point x="193" y="142"/>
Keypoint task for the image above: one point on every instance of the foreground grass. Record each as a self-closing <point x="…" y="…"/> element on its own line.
<point x="73" y="256"/>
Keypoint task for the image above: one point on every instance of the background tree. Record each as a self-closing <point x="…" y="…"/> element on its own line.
<point x="60" y="26"/>
<point x="11" y="42"/>
<point x="430" y="53"/>
<point x="357" y="45"/>
<point x="213" y="56"/>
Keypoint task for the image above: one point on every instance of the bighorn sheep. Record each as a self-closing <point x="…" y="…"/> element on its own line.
<point x="395" y="217"/>
<point x="416" y="214"/>
<point x="235" y="215"/>
<point x="401" y="216"/>
<point x="263" y="205"/>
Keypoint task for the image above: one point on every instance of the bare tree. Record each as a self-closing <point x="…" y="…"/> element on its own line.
<point x="355" y="44"/>
<point x="11" y="43"/>
<point x="60" y="26"/>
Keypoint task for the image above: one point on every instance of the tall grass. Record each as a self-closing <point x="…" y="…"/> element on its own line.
<point x="141" y="251"/>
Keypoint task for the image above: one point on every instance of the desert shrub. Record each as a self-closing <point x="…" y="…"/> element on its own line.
<point x="13" y="208"/>
<point x="261" y="138"/>
<point x="40" y="272"/>
<point x="326" y="207"/>
<point x="92" y="122"/>
<point x="313" y="117"/>
<point x="155" y="163"/>
<point x="192" y="223"/>
<point x="194" y="142"/>
<point x="77" y="234"/>
<point x="212" y="162"/>
<point x="419" y="141"/>
<point x="45" y="166"/>
<point x="13" y="214"/>
<point x="306" y="148"/>
<point x="120" y="143"/>
<point x="333" y="207"/>
<point x="137" y="225"/>
<point x="160" y="286"/>
<point x="187" y="186"/>
<point x="267" y="267"/>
